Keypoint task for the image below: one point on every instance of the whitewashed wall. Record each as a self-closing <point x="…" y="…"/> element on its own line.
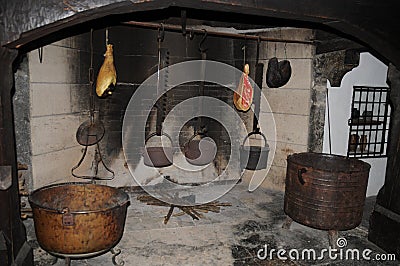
<point x="371" y="72"/>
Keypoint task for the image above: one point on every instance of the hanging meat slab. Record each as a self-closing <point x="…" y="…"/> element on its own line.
<point x="243" y="97"/>
<point x="107" y="77"/>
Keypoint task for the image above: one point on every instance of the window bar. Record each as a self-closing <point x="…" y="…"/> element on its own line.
<point x="385" y="120"/>
<point x="373" y="118"/>
<point x="352" y="122"/>
<point x="379" y="120"/>
<point x="365" y="120"/>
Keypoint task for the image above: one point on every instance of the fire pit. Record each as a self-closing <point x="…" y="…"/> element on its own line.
<point x="77" y="220"/>
<point x="325" y="192"/>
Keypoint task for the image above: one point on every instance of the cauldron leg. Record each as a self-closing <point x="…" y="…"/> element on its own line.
<point x="67" y="261"/>
<point x="54" y="260"/>
<point x="333" y="237"/>
<point x="116" y="252"/>
<point x="287" y="223"/>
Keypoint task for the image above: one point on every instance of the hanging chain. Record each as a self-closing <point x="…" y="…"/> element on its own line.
<point x="285" y="50"/>
<point x="258" y="49"/>
<point x="244" y="52"/>
<point x="160" y="38"/>
<point x="91" y="80"/>
<point x="106" y="36"/>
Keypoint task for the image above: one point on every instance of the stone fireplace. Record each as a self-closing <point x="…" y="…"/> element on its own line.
<point x="50" y="92"/>
<point x="56" y="89"/>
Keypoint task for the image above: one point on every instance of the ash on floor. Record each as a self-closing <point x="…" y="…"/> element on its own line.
<point x="238" y="235"/>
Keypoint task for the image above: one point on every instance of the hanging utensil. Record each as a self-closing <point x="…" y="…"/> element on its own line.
<point x="255" y="157"/>
<point x="160" y="156"/>
<point x="201" y="151"/>
<point x="91" y="132"/>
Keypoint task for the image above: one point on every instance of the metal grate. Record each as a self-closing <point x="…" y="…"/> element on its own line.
<point x="369" y="122"/>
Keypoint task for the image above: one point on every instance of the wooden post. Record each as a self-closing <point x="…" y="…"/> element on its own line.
<point x="385" y="219"/>
<point x="10" y="222"/>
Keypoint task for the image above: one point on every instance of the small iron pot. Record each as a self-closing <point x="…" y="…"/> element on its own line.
<point x="78" y="220"/>
<point x="254" y="157"/>
<point x="158" y="156"/>
<point x="200" y="152"/>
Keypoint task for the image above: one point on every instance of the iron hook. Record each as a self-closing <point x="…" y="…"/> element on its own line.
<point x="201" y="49"/>
<point x="191" y="34"/>
<point x="161" y="33"/>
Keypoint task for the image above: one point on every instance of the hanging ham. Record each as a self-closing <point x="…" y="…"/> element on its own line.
<point x="107" y="77"/>
<point x="243" y="97"/>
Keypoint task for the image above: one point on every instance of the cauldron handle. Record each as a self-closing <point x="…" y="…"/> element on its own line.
<point x="255" y="133"/>
<point x="154" y="134"/>
<point x="300" y="173"/>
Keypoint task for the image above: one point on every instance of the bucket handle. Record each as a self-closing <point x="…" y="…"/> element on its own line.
<point x="255" y="133"/>
<point x="300" y="173"/>
<point x="155" y="134"/>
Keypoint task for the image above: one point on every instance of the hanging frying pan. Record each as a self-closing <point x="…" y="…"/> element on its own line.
<point x="90" y="133"/>
<point x="200" y="152"/>
<point x="158" y="156"/>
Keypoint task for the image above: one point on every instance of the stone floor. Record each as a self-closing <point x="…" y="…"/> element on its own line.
<point x="232" y="237"/>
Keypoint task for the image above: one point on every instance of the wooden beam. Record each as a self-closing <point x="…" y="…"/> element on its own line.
<point x="10" y="223"/>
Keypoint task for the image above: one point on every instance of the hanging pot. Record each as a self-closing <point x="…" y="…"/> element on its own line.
<point x="254" y="157"/>
<point x="200" y="152"/>
<point x="158" y="156"/>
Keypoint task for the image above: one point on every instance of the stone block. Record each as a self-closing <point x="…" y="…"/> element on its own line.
<point x="79" y="97"/>
<point x="283" y="150"/>
<point x="54" y="67"/>
<point x="275" y="179"/>
<point x="55" y="167"/>
<point x="286" y="51"/>
<point x="289" y="128"/>
<point x="53" y="133"/>
<point x="287" y="101"/>
<point x="301" y="77"/>
<point x="290" y="33"/>
<point x="64" y="42"/>
<point x="49" y="99"/>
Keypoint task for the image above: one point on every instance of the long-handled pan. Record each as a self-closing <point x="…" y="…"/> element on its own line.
<point x="200" y="151"/>
<point x="159" y="156"/>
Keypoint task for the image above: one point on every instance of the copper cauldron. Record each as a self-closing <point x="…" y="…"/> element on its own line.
<point x="78" y="219"/>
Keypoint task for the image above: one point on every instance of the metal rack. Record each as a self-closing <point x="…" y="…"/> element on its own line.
<point x="369" y="122"/>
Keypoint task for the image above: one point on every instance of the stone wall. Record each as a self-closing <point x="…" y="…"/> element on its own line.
<point x="290" y="104"/>
<point x="58" y="89"/>
<point x="59" y="93"/>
